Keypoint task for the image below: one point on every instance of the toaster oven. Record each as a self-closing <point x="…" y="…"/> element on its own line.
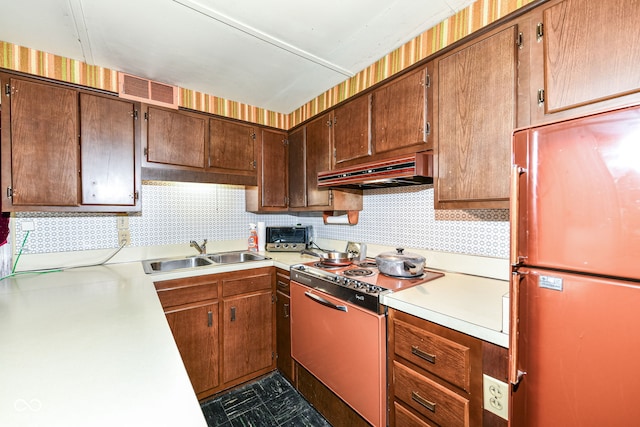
<point x="288" y="238"/>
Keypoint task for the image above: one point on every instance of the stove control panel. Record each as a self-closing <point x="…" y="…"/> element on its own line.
<point x="358" y="292"/>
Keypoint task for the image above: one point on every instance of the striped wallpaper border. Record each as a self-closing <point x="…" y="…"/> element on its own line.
<point x="466" y="21"/>
<point x="452" y="29"/>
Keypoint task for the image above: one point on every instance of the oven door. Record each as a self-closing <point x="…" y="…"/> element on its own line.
<point x="344" y="347"/>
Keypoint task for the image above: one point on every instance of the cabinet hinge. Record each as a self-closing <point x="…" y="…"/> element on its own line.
<point x="335" y="155"/>
<point x="539" y="31"/>
<point x="427" y="80"/>
<point x="254" y="164"/>
<point x="146" y="116"/>
<point x="9" y="192"/>
<point x="273" y="356"/>
<point x="519" y="41"/>
<point x="286" y="201"/>
<point x="136" y="195"/>
<point x="7" y="89"/>
<point x="330" y="197"/>
<point x="273" y="299"/>
<point x="285" y="142"/>
<point x="427" y="129"/>
<point x="135" y="115"/>
<point x="253" y="136"/>
<point x="540" y="96"/>
<point x="329" y="123"/>
<point x="146" y="151"/>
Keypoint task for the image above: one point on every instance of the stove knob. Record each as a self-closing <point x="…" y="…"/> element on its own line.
<point x="300" y="267"/>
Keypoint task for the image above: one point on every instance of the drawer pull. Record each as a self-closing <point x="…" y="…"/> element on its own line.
<point x="286" y="310"/>
<point x="233" y="314"/>
<point x="210" y="319"/>
<point x="431" y="406"/>
<point x="431" y="358"/>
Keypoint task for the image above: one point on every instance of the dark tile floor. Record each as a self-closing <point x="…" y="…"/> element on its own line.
<point x="268" y="402"/>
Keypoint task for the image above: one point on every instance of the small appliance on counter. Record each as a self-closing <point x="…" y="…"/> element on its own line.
<point x="288" y="238"/>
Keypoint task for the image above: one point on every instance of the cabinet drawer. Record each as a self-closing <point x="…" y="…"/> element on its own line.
<point x="404" y="418"/>
<point x="187" y="290"/>
<point x="440" y="356"/>
<point x="242" y="284"/>
<point x="434" y="401"/>
<point x="282" y="281"/>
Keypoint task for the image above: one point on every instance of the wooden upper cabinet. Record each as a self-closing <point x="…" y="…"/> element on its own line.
<point x="351" y="131"/>
<point x="273" y="168"/>
<point x="232" y="147"/>
<point x="297" y="169"/>
<point x="585" y="59"/>
<point x="40" y="151"/>
<point x="476" y="87"/>
<point x="399" y="116"/>
<point x="108" y="140"/>
<point x="175" y="137"/>
<point x="65" y="149"/>
<point x="318" y="158"/>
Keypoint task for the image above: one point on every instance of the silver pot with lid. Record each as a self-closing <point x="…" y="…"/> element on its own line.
<point x="400" y="264"/>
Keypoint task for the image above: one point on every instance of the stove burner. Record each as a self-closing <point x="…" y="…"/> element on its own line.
<point x="327" y="266"/>
<point x="358" y="272"/>
<point x="367" y="264"/>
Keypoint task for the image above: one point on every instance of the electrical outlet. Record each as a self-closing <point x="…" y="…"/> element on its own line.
<point x="124" y="237"/>
<point x="496" y="396"/>
<point x="27" y="226"/>
<point x="122" y="222"/>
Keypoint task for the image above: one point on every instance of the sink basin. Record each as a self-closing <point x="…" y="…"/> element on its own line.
<point x="234" y="257"/>
<point x="170" y="264"/>
<point x="164" y="265"/>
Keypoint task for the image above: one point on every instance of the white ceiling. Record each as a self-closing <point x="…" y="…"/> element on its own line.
<point x="275" y="54"/>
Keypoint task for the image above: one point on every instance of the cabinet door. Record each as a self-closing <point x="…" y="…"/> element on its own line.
<point x="175" y="137"/>
<point x="273" y="168"/>
<point x="195" y="331"/>
<point x="232" y="147"/>
<point x="318" y="152"/>
<point x="107" y="139"/>
<point x="247" y="335"/>
<point x="297" y="169"/>
<point x="351" y="136"/>
<point x="399" y="114"/>
<point x="283" y="335"/>
<point x="477" y="114"/>
<point x="43" y="155"/>
<point x="589" y="53"/>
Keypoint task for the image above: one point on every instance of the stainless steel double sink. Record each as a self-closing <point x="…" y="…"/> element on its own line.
<point x="163" y="265"/>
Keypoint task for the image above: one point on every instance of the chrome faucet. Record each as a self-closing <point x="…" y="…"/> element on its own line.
<point x="202" y="249"/>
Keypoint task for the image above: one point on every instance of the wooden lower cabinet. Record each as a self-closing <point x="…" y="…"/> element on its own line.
<point x="196" y="334"/>
<point x="223" y="325"/>
<point x="247" y="335"/>
<point x="435" y="374"/>
<point x="283" y="325"/>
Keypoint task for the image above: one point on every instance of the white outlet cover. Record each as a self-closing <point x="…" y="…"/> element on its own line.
<point x="27" y="226"/>
<point x="495" y="396"/>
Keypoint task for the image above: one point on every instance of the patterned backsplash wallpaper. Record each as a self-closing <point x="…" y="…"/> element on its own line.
<point x="174" y="213"/>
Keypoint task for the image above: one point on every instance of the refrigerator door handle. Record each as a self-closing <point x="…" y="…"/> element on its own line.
<point x="515" y="375"/>
<point x="514" y="212"/>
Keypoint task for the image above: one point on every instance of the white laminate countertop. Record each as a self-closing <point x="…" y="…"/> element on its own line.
<point x="91" y="346"/>
<point x="469" y="304"/>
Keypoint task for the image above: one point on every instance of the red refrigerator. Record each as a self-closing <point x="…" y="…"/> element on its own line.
<point x="575" y="289"/>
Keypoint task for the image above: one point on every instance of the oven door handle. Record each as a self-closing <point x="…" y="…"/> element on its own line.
<point x="325" y="302"/>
